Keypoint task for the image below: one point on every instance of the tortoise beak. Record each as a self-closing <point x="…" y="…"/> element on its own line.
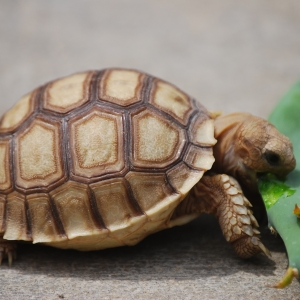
<point x="289" y="166"/>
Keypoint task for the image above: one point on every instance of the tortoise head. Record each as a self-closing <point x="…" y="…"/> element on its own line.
<point x="263" y="148"/>
<point x="252" y="146"/>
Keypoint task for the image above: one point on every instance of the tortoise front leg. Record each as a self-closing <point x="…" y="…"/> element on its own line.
<point x="8" y="249"/>
<point x="221" y="195"/>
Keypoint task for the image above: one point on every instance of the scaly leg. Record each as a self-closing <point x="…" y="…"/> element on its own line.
<point x="8" y="249"/>
<point x="221" y="195"/>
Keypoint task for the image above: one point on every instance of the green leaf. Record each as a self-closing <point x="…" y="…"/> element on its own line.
<point x="272" y="190"/>
<point x="281" y="197"/>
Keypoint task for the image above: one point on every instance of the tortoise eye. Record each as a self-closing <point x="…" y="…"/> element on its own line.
<point x="272" y="158"/>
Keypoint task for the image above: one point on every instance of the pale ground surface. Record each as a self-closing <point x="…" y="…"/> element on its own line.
<point x="231" y="55"/>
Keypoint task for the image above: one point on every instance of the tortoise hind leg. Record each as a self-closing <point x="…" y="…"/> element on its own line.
<point x="221" y="195"/>
<point x="8" y="249"/>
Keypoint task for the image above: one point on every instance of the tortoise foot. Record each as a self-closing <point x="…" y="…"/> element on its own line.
<point x="247" y="246"/>
<point x="238" y="223"/>
<point x="8" y="250"/>
<point x="234" y="213"/>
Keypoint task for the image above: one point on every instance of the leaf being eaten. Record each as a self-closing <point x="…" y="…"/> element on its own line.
<point x="272" y="190"/>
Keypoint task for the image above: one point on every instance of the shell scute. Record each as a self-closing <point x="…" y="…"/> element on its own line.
<point x="68" y="93"/>
<point x="43" y="226"/>
<point x="97" y="143"/>
<point x="38" y="155"/>
<point x="156" y="141"/>
<point x="20" y="112"/>
<point x="152" y="192"/>
<point x="199" y="158"/>
<point x="202" y="131"/>
<point x="171" y="100"/>
<point x="16" y="219"/>
<point x="115" y="205"/>
<point x="5" y="176"/>
<point x="74" y="209"/>
<point x="120" y="86"/>
<point x="182" y="178"/>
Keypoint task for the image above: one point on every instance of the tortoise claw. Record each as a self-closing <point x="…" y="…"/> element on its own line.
<point x="264" y="249"/>
<point x="10" y="258"/>
<point x="8" y="250"/>
<point x="256" y="231"/>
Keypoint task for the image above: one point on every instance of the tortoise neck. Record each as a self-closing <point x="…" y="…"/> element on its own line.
<point x="226" y="133"/>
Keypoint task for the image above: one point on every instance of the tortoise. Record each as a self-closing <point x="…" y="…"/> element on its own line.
<point x="102" y="159"/>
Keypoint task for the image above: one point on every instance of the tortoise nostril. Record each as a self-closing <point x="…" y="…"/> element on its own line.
<point x="272" y="158"/>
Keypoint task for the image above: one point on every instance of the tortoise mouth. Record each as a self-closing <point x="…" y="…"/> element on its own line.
<point x="260" y="174"/>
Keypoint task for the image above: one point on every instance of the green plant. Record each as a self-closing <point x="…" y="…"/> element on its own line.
<point x="282" y="198"/>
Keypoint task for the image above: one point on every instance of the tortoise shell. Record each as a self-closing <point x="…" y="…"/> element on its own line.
<point x="99" y="159"/>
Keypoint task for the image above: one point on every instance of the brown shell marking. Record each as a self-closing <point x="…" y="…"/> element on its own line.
<point x="2" y="212"/>
<point x="152" y="193"/>
<point x="65" y="179"/>
<point x="16" y="218"/>
<point x="199" y="158"/>
<point x="73" y="206"/>
<point x="117" y="207"/>
<point x="182" y="178"/>
<point x="43" y="225"/>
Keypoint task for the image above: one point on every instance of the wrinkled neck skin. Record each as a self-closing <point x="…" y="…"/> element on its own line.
<point x="227" y="162"/>
<point x="226" y="133"/>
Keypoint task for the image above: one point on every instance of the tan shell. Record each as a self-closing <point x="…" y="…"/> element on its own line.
<point x="99" y="159"/>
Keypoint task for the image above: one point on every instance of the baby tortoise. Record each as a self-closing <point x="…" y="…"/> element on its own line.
<point x="104" y="158"/>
